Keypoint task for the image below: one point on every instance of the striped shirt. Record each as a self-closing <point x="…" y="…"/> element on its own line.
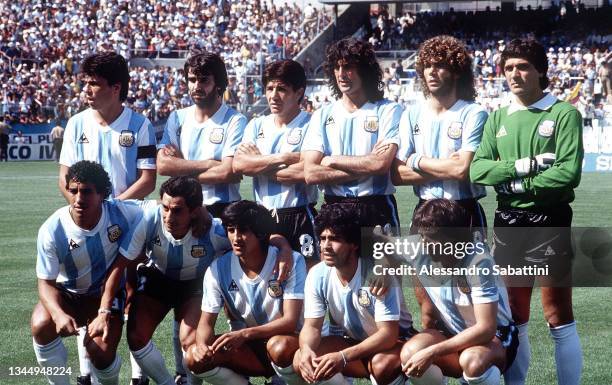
<point x="79" y="259"/>
<point x="438" y="136"/>
<point x="122" y="148"/>
<point x="270" y="139"/>
<point x="254" y="301"/>
<point x="179" y="259"/>
<point x="216" y="138"/>
<point x="335" y="131"/>
<point x="352" y="307"/>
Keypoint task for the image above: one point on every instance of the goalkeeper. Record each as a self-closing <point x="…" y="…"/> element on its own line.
<point x="531" y="152"/>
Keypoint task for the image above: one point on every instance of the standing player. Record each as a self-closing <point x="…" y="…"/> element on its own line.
<point x="121" y="140"/>
<point x="440" y="135"/>
<point x="201" y="140"/>
<point x="80" y="265"/>
<point x="472" y="335"/>
<point x="172" y="279"/>
<point x="531" y="151"/>
<point x="351" y="143"/>
<point x="374" y="325"/>
<point x="243" y="280"/>
<point x="270" y="153"/>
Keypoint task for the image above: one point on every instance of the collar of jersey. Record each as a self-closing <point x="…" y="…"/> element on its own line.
<point x="95" y="229"/>
<point x="365" y="108"/>
<point x="543" y="104"/>
<point x="268" y="265"/>
<point x="351" y="283"/>
<point x="114" y="123"/>
<point x="215" y="120"/>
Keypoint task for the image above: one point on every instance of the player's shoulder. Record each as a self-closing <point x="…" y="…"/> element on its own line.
<point x="216" y="228"/>
<point x="562" y="107"/>
<point x="471" y="107"/>
<point x="130" y="208"/>
<point x="54" y="221"/>
<point x="319" y="272"/>
<point x="79" y="117"/>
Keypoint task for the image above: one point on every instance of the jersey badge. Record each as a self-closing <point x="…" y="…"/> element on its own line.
<point x="232" y="286"/>
<point x="501" y="132"/>
<point x="371" y="124"/>
<point x="83" y="139"/>
<point x="114" y="232"/>
<point x="546" y="128"/>
<point x="455" y="130"/>
<point x="73" y="245"/>
<point x="198" y="251"/>
<point x="294" y="137"/>
<point x="364" y="298"/>
<point x="275" y="289"/>
<point x="216" y="136"/>
<point x="126" y="139"/>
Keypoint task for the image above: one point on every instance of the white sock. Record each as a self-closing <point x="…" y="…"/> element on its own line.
<point x="490" y="377"/>
<point x="178" y="349"/>
<point x="289" y="375"/>
<point x="337" y="379"/>
<point x="516" y="374"/>
<point x="568" y="354"/>
<point x="152" y="363"/>
<point x="223" y="376"/>
<point x="53" y="354"/>
<point x="135" y="367"/>
<point x="110" y="375"/>
<point x="84" y="363"/>
<point x="432" y="376"/>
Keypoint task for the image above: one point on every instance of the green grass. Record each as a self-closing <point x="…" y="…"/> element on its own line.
<point x="29" y="194"/>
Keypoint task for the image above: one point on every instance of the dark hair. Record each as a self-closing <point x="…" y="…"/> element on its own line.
<point x="205" y="64"/>
<point x="250" y="216"/>
<point x="110" y="66"/>
<point x="447" y="51"/>
<point x="342" y="219"/>
<point x="360" y="54"/>
<point x="186" y="187"/>
<point x="442" y="220"/>
<point x="86" y="171"/>
<point x="287" y="71"/>
<point x="530" y="50"/>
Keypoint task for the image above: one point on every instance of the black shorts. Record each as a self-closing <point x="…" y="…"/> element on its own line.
<point x="534" y="237"/>
<point x="297" y="225"/>
<point x="217" y="208"/>
<point x="85" y="306"/>
<point x="374" y="210"/>
<point x="258" y="347"/>
<point x="170" y="292"/>
<point x="478" y="219"/>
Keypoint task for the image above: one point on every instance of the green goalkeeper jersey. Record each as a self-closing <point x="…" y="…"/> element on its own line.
<point x="512" y="133"/>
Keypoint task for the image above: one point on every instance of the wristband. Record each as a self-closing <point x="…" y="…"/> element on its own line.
<point x="343" y="359"/>
<point x="104" y="311"/>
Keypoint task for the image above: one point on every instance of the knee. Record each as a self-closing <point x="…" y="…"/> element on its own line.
<point x="136" y="339"/>
<point x="408" y="350"/>
<point x="383" y="367"/>
<point x="281" y="351"/>
<point x="41" y="325"/>
<point x="101" y="356"/>
<point x="472" y="363"/>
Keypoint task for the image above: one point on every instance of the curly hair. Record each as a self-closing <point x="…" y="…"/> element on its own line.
<point x="342" y="219"/>
<point x="360" y="54"/>
<point x="450" y="52"/>
<point x="110" y="66"/>
<point x="250" y="216"/>
<point x="530" y="50"/>
<point x="186" y="187"/>
<point x="86" y="171"/>
<point x="204" y="63"/>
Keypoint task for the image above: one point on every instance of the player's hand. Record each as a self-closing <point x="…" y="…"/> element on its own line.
<point x="65" y="325"/>
<point x="512" y="187"/>
<point x="419" y="363"/>
<point x="283" y="265"/>
<point x="534" y="165"/>
<point x="545" y="161"/>
<point x="326" y="161"/>
<point x="380" y="148"/>
<point x="379" y="285"/>
<point x="172" y="150"/>
<point x="307" y="364"/>
<point x="328" y="365"/>
<point x="201" y="223"/>
<point x="248" y="149"/>
<point x="98" y="327"/>
<point x="201" y="353"/>
<point x="228" y="341"/>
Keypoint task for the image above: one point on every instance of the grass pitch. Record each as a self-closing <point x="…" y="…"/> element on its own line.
<point x="29" y="194"/>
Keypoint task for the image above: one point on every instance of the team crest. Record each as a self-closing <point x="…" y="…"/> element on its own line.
<point x="198" y="251"/>
<point x="114" y="232"/>
<point x="455" y="130"/>
<point x="546" y="128"/>
<point x="73" y="245"/>
<point x="364" y="298"/>
<point x="294" y="137"/>
<point x="330" y="121"/>
<point x="126" y="139"/>
<point x="216" y="136"/>
<point x="232" y="286"/>
<point x="416" y="130"/>
<point x="371" y="124"/>
<point x="274" y="288"/>
<point x="83" y="139"/>
<point x="463" y="286"/>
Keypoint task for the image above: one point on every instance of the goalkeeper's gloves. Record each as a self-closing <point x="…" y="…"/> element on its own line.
<point x="512" y="187"/>
<point x="533" y="165"/>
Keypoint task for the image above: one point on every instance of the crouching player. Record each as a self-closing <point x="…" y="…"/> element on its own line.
<point x="80" y="264"/>
<point x="469" y="329"/>
<point x="181" y="240"/>
<point x="244" y="281"/>
<point x="373" y="326"/>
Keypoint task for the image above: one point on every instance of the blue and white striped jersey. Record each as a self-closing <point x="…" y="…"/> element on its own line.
<point x="123" y="147"/>
<point x="216" y="138"/>
<point x="251" y="301"/>
<point x="78" y="259"/>
<point x="352" y="307"/>
<point x="438" y="136"/>
<point x="179" y="259"/>
<point x="270" y="139"/>
<point x="455" y="297"/>
<point x="335" y="131"/>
